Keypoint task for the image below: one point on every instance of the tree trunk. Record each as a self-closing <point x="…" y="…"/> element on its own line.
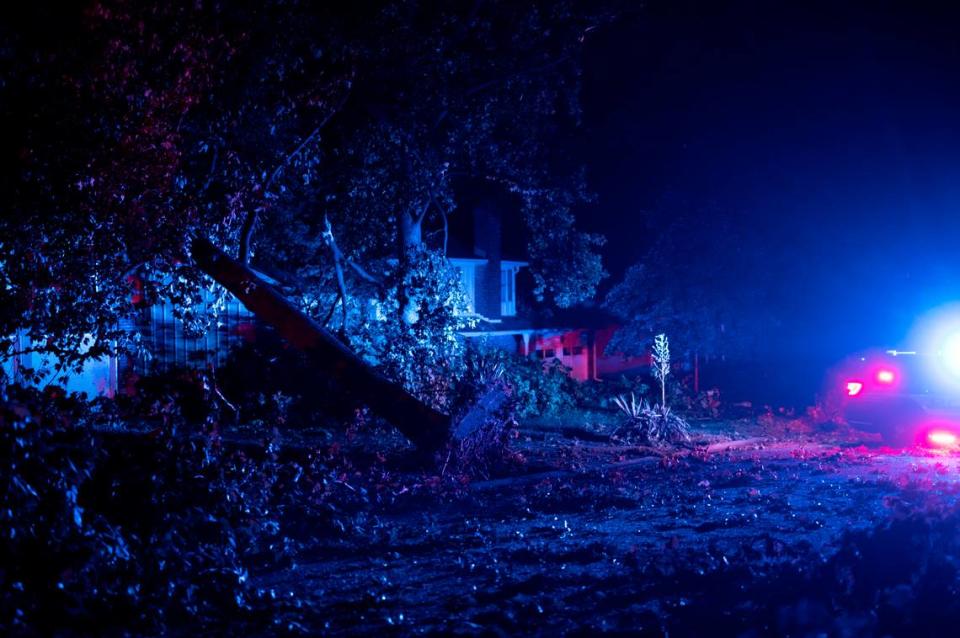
<point x="411" y="234"/>
<point x="409" y="238"/>
<point x="426" y="428"/>
<point x="696" y="373"/>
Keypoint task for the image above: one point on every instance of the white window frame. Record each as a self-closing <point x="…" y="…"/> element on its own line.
<point x="508" y="287"/>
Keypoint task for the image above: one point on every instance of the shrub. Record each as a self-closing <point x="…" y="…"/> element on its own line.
<point x="536" y="389"/>
<point x="120" y="533"/>
<point x="425" y="353"/>
<point x="649" y="426"/>
<point x="601" y="395"/>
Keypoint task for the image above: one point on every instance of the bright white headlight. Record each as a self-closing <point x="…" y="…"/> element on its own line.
<point x="950" y="355"/>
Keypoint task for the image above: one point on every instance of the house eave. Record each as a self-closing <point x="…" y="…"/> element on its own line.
<point x="467" y="260"/>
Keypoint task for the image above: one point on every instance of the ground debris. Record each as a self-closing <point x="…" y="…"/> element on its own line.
<point x="738" y="531"/>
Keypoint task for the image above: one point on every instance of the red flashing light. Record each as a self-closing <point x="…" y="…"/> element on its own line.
<point x="942" y="438"/>
<point x="854" y="388"/>
<point x="885" y="376"/>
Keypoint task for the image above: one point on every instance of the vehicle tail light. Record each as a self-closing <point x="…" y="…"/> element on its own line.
<point x="885" y="376"/>
<point x="854" y="388"/>
<point x="942" y="438"/>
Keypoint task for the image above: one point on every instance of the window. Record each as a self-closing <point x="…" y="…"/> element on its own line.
<point x="508" y="291"/>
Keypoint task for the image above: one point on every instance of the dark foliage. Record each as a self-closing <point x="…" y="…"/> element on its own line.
<point x="896" y="580"/>
<point x="121" y="532"/>
<point x="144" y="124"/>
<point x="690" y="285"/>
<point x="269" y="384"/>
<point x="535" y="389"/>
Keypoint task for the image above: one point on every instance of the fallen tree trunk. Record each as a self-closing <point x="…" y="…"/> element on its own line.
<point x="424" y="426"/>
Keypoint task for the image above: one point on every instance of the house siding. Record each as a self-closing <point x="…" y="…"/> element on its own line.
<point x="167" y="343"/>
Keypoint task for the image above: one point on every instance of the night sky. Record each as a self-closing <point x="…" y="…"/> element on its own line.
<point x="829" y="127"/>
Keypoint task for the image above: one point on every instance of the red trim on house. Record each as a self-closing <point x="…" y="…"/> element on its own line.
<point x="583" y="351"/>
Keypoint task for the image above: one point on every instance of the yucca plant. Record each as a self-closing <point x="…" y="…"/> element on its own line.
<point x="634" y="409"/>
<point x="648" y="425"/>
<point x="661" y="365"/>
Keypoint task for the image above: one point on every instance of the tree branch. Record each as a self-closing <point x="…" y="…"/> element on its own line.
<point x="363" y="273"/>
<point x="419" y="217"/>
<point x="250" y="221"/>
<point x="289" y="158"/>
<point x="339" y="259"/>
<point x="338" y="266"/>
<point x="333" y="308"/>
<point x="444" y="213"/>
<point x="213" y="168"/>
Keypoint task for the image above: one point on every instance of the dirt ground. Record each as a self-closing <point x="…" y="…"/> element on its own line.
<point x="758" y="527"/>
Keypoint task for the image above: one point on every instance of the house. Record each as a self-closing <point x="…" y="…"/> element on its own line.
<point x="495" y="278"/>
<point x="488" y="256"/>
<point x="163" y="340"/>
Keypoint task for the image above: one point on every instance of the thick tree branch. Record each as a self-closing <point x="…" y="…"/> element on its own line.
<point x="424" y="426"/>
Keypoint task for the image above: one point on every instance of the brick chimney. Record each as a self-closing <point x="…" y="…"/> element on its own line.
<point x="487" y="244"/>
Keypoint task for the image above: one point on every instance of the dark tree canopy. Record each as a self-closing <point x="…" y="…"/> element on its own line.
<point x="702" y="281"/>
<point x="324" y="145"/>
